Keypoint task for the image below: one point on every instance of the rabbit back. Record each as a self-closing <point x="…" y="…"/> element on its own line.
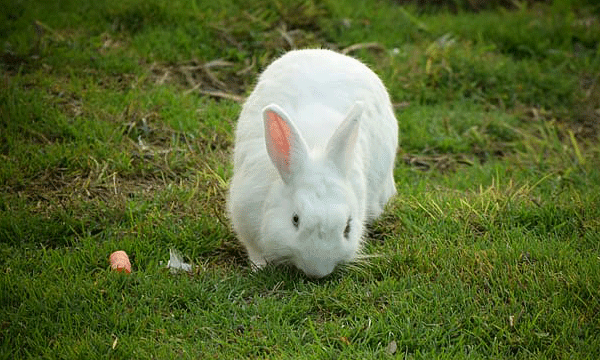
<point x="316" y="88"/>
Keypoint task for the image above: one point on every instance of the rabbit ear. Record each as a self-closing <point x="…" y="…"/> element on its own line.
<point x="285" y="145"/>
<point x="340" y="148"/>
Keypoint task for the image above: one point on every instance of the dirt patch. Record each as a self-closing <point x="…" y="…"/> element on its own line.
<point x="217" y="78"/>
<point x="441" y="163"/>
<point x="470" y="5"/>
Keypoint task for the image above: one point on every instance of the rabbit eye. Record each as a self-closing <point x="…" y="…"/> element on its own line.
<point x="347" y="229"/>
<point x="296" y="220"/>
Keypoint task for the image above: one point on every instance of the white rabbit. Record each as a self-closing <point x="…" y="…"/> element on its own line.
<point x="313" y="161"/>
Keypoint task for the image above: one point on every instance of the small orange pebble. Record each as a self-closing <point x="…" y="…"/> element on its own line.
<point x="119" y="261"/>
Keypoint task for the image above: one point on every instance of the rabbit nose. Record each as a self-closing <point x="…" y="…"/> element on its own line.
<point x="315" y="275"/>
<point x="319" y="271"/>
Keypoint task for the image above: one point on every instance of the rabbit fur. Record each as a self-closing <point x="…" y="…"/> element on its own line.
<point x="315" y="146"/>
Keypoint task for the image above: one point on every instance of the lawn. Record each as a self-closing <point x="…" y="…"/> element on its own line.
<point x="116" y="133"/>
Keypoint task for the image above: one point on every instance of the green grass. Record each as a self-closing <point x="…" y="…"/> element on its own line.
<point x="114" y="135"/>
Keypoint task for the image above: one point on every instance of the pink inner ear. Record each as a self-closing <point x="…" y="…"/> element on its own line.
<point x="279" y="131"/>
